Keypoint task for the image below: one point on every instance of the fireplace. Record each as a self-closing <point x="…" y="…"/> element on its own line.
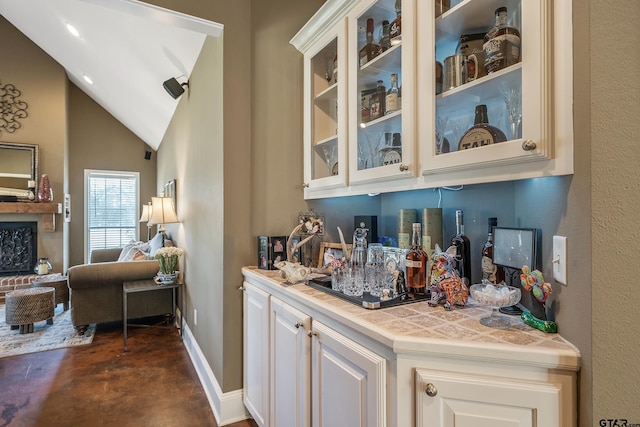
<point x="18" y="248"/>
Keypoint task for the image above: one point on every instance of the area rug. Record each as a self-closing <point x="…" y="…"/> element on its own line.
<point x="44" y="337"/>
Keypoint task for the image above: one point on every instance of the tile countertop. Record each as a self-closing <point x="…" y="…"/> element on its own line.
<point x="420" y="329"/>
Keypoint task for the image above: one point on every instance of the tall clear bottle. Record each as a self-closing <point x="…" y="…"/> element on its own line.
<point x="462" y="262"/>
<point x="501" y="44"/>
<point x="371" y="49"/>
<point x="391" y="100"/>
<point x="490" y="271"/>
<point x="416" y="263"/>
<point x="355" y="285"/>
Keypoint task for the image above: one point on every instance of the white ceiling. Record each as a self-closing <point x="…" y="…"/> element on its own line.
<point x="126" y="47"/>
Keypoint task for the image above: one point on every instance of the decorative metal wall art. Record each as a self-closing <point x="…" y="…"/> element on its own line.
<point x="12" y="109"/>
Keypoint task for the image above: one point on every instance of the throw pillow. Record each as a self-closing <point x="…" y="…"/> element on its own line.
<point x="134" y="251"/>
<point x="155" y="244"/>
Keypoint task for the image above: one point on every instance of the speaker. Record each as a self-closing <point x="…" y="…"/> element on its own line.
<point x="173" y="87"/>
<point x="147" y="155"/>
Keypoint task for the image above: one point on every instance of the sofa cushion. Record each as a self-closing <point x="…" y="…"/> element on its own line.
<point x="155" y="244"/>
<point x="134" y="251"/>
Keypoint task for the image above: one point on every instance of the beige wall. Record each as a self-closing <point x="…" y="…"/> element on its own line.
<point x="43" y="85"/>
<point x="615" y="127"/>
<point x="98" y="141"/>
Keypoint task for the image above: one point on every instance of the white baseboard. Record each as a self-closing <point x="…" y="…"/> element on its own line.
<point x="227" y="407"/>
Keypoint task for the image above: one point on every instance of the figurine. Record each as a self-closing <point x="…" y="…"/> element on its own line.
<point x="533" y="281"/>
<point x="446" y="284"/>
<point x="291" y="270"/>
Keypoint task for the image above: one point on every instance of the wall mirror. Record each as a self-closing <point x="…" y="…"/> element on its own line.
<point x="18" y="166"/>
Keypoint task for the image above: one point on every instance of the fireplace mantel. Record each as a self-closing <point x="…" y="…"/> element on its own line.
<point x="47" y="211"/>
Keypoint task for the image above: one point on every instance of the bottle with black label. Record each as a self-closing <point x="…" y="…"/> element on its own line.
<point x="377" y="102"/>
<point x="501" y="44"/>
<point x="395" y="28"/>
<point x="482" y="133"/>
<point x="490" y="271"/>
<point x="462" y="262"/>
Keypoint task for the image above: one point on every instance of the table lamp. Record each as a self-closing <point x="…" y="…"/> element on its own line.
<point x="162" y="212"/>
<point x="145" y="217"/>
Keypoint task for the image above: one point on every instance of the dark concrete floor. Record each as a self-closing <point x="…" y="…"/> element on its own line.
<point x="153" y="384"/>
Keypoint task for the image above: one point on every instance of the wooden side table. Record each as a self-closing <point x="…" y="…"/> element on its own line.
<point x="60" y="284"/>
<point x="148" y="285"/>
<point x="26" y="306"/>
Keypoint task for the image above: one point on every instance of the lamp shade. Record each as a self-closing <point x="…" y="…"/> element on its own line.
<point x="162" y="211"/>
<point x="146" y="213"/>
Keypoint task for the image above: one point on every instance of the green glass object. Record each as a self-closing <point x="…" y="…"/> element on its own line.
<point x="544" y="325"/>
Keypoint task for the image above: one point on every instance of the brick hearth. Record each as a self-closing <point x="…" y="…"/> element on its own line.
<point x="11" y="283"/>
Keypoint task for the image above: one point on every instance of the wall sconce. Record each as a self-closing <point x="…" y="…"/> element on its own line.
<point x="174" y="88"/>
<point x="145" y="217"/>
<point x="162" y="213"/>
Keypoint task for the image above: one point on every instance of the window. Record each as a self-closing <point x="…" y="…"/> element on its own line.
<point x="111" y="209"/>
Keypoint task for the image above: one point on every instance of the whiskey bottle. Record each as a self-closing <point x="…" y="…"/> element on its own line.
<point x="371" y="49"/>
<point x="395" y="28"/>
<point x="490" y="271"/>
<point x="501" y="44"/>
<point x="462" y="261"/>
<point x="385" y="40"/>
<point x="377" y="101"/>
<point x="482" y="133"/>
<point x="391" y="153"/>
<point x="391" y="99"/>
<point x="416" y="263"/>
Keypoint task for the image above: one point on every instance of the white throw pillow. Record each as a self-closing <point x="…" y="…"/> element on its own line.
<point x="134" y="251"/>
<point x="155" y="244"/>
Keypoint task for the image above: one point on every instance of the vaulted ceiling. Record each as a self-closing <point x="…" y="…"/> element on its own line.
<point x="122" y="53"/>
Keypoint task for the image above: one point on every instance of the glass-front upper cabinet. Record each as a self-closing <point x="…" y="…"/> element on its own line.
<point x="486" y="64"/>
<point x="381" y="87"/>
<point x="325" y="109"/>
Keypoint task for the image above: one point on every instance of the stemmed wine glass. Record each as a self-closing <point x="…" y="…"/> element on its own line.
<point x="441" y="124"/>
<point x="513" y="102"/>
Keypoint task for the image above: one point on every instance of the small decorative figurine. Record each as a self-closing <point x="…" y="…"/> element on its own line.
<point x="291" y="270"/>
<point x="446" y="284"/>
<point x="534" y="282"/>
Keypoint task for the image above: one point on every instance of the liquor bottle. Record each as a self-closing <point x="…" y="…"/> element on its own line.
<point x="482" y="133"/>
<point x="364" y="110"/>
<point x="335" y="69"/>
<point x="501" y="44"/>
<point x="416" y="263"/>
<point x="377" y="101"/>
<point x="385" y="40"/>
<point x="462" y="262"/>
<point x="490" y="271"/>
<point x="395" y="28"/>
<point x="391" y="152"/>
<point x="391" y="99"/>
<point x="371" y="49"/>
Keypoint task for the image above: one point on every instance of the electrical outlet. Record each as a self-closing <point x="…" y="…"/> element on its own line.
<point x="195" y="317"/>
<point x="560" y="259"/>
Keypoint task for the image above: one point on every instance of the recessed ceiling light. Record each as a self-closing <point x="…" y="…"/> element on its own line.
<point x="87" y="79"/>
<point x="73" y="30"/>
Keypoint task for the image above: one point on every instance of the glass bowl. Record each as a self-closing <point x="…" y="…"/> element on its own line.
<point x="495" y="296"/>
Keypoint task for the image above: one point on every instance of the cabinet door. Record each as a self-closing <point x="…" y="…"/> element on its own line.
<point x="348" y="381"/>
<point x="290" y="366"/>
<point x="448" y="399"/>
<point x="325" y="106"/>
<point x="518" y="98"/>
<point x="381" y="142"/>
<point x="256" y="353"/>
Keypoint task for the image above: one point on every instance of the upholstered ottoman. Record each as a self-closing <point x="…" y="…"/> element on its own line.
<point x="26" y="306"/>
<point x="61" y="286"/>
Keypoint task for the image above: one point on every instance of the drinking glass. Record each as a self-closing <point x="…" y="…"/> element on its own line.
<point x="441" y="124"/>
<point x="513" y="102"/>
<point x="374" y="270"/>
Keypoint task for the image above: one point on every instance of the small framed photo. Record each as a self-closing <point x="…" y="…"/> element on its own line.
<point x="330" y="252"/>
<point x="271" y="250"/>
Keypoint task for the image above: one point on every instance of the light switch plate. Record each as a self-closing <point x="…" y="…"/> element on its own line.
<point x="560" y="259"/>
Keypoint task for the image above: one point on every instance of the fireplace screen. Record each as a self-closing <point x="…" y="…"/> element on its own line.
<point x="18" y="247"/>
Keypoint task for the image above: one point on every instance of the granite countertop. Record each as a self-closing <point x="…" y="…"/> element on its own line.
<point x="408" y="328"/>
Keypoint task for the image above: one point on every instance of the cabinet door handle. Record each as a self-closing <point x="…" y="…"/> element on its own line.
<point x="298" y="325"/>
<point x="403" y="167"/>
<point x="241" y="288"/>
<point x="305" y="185"/>
<point x="312" y="333"/>
<point x="431" y="390"/>
<point x="528" y="145"/>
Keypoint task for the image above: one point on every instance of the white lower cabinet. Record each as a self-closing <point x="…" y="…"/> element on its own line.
<point x="448" y="399"/>
<point x="306" y="373"/>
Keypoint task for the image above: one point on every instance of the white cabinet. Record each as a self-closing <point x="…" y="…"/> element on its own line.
<point x="256" y="353"/>
<point x="300" y="372"/>
<point x="452" y="399"/>
<point x="540" y="143"/>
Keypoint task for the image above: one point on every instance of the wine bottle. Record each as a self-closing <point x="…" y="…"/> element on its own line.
<point x="371" y="49"/>
<point x="490" y="271"/>
<point x="501" y="44"/>
<point x="416" y="263"/>
<point x="462" y="262"/>
<point x="482" y="133"/>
